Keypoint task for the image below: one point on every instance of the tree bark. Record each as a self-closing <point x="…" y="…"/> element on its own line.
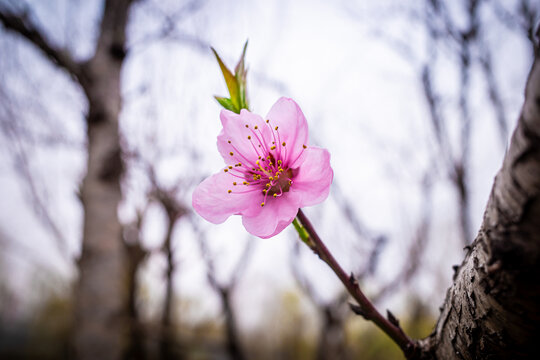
<point x="491" y="311"/>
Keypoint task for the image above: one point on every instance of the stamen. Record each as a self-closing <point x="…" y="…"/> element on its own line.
<point x="304" y="146"/>
<point x="247" y="126"/>
<point x="262" y="204"/>
<point x="234" y="183"/>
<point x="225" y="170"/>
<point x="230" y="191"/>
<point x="283" y="143"/>
<point x="249" y="137"/>
<point x="231" y="153"/>
<point x="229" y="141"/>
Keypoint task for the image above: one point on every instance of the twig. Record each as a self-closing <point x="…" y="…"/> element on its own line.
<point x="364" y="307"/>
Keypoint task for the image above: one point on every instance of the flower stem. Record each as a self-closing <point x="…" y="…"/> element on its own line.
<point x="365" y="308"/>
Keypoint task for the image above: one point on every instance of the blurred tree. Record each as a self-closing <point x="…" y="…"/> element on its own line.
<point x="225" y="292"/>
<point x="100" y="304"/>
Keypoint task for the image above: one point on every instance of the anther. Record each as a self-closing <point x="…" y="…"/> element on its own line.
<point x="276" y="128"/>
<point x="245" y="183"/>
<point x="267" y="121"/>
<point x="304" y="146"/>
<point x="231" y="153"/>
<point x="234" y="183"/>
<point x="230" y="167"/>
<point x="256" y="127"/>
<point x="273" y="147"/>
<point x="229" y="141"/>
<point x="262" y="204"/>
<point x="249" y="137"/>
<point x="275" y="195"/>
<point x="283" y="143"/>
<point x="225" y="170"/>
<point x="230" y="191"/>
<point x="247" y="125"/>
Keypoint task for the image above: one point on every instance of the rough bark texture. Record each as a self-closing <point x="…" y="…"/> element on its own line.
<point x="101" y="323"/>
<point x="492" y="309"/>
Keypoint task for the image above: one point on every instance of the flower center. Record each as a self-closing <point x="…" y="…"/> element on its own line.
<point x="269" y="174"/>
<point x="282" y="184"/>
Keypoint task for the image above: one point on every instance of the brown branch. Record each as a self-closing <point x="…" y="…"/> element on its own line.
<point x="364" y="308"/>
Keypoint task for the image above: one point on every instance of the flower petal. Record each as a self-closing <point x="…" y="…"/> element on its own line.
<point x="292" y="127"/>
<point x="233" y="138"/>
<point x="314" y="177"/>
<point x="276" y="215"/>
<point x="213" y="202"/>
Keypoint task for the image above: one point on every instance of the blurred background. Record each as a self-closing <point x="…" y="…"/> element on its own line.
<point x="414" y="100"/>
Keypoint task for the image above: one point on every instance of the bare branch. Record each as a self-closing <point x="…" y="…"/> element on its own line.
<point x="22" y="25"/>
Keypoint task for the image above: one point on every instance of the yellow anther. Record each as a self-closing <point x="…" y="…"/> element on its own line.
<point x="273" y="147"/>
<point x="229" y="191"/>
<point x="267" y="121"/>
<point x="225" y="170"/>
<point x="304" y="146"/>
<point x="234" y="183"/>
<point x="276" y="128"/>
<point x="230" y="167"/>
<point x="279" y="162"/>
<point x="264" y="191"/>
<point x="229" y="141"/>
<point x="231" y="153"/>
<point x="247" y="125"/>
<point x="256" y="127"/>
<point x="245" y="183"/>
<point x="271" y="178"/>
<point x="268" y="185"/>
<point x="275" y="195"/>
<point x="259" y="158"/>
<point x="249" y="137"/>
<point x="262" y="204"/>
<point x="283" y="143"/>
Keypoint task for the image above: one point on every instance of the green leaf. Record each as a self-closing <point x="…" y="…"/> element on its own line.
<point x="227" y="104"/>
<point x="302" y="232"/>
<point x="231" y="81"/>
<point x="240" y="73"/>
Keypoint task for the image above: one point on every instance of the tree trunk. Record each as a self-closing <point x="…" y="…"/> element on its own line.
<point x="491" y="311"/>
<point x="101" y="323"/>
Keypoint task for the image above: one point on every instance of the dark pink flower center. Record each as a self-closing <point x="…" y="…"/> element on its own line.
<point x="264" y="169"/>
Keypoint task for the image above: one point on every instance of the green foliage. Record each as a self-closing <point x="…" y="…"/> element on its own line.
<point x="236" y="84"/>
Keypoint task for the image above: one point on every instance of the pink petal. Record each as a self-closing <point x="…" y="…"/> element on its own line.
<point x="292" y="127"/>
<point x="234" y="137"/>
<point x="212" y="201"/>
<point x="314" y="177"/>
<point x="276" y="215"/>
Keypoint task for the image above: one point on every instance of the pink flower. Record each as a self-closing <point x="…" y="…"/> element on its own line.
<point x="270" y="170"/>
